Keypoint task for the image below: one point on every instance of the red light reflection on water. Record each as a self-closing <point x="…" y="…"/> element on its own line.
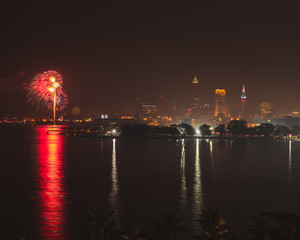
<point x="51" y="184"/>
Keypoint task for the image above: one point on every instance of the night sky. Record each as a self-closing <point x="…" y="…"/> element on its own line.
<point x="111" y="52"/>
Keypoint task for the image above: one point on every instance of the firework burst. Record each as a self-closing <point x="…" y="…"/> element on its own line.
<point x="46" y="91"/>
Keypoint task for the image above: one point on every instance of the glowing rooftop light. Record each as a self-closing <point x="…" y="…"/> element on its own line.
<point x="220" y="92"/>
<point x="195" y="80"/>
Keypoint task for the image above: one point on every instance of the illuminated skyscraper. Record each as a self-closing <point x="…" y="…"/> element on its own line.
<point x="243" y="98"/>
<point x="266" y="109"/>
<point x="244" y="112"/>
<point x="221" y="105"/>
<point x="196" y="94"/>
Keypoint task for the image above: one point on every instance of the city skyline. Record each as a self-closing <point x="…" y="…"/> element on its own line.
<point x="109" y="54"/>
<point x="23" y="88"/>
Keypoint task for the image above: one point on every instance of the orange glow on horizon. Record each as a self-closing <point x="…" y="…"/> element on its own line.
<point x="127" y="117"/>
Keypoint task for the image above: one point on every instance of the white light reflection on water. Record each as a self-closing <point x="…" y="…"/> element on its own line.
<point x="290" y="161"/>
<point x="114" y="193"/>
<point x="197" y="196"/>
<point x="211" y="154"/>
<point x="210" y="148"/>
<point x="183" y="188"/>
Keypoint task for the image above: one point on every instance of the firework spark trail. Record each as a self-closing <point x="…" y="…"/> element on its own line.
<point x="40" y="93"/>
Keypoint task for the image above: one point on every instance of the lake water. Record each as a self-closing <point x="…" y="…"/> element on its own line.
<point x="49" y="181"/>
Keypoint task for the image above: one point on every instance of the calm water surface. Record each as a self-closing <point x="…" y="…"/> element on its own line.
<point x="49" y="181"/>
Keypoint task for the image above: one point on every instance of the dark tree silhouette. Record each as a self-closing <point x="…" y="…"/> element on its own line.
<point x="237" y="127"/>
<point x="265" y="129"/>
<point x="205" y="130"/>
<point x="281" y="131"/>
<point x="133" y="232"/>
<point x="296" y="130"/>
<point x="166" y="131"/>
<point x="136" y="130"/>
<point x="276" y="225"/>
<point x="252" y="131"/>
<point x="258" y="230"/>
<point x="101" y="226"/>
<point x="221" y="129"/>
<point x="187" y="129"/>
<point x="169" y="227"/>
<point x="213" y="227"/>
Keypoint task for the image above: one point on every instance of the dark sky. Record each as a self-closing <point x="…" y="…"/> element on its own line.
<point x="111" y="52"/>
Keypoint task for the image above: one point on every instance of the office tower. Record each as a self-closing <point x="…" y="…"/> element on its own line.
<point x="146" y="107"/>
<point x="163" y="106"/>
<point x="221" y="105"/>
<point x="266" y="109"/>
<point x="243" y="99"/>
<point x="196" y="94"/>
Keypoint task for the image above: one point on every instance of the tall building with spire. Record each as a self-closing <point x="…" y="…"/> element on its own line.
<point x="243" y="99"/>
<point x="196" y="93"/>
<point x="221" y="105"/>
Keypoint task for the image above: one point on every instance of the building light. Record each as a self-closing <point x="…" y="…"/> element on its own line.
<point x="127" y="117"/>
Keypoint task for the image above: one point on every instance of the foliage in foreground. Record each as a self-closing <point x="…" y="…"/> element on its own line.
<point x="274" y="225"/>
<point x="235" y="128"/>
<point x="169" y="226"/>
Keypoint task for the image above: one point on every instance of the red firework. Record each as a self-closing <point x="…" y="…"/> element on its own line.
<point x="42" y="90"/>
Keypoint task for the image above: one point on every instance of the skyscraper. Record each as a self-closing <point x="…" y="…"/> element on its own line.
<point x="146" y="107"/>
<point x="266" y="109"/>
<point x="221" y="105"/>
<point x="243" y="99"/>
<point x="196" y="94"/>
